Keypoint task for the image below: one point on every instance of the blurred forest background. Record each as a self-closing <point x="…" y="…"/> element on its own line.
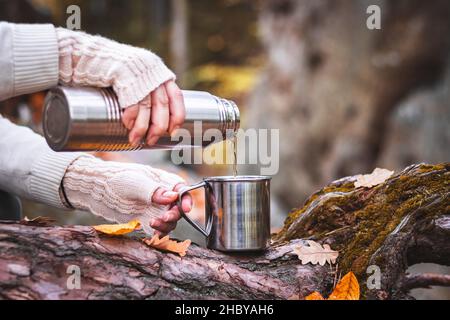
<point x="345" y="98"/>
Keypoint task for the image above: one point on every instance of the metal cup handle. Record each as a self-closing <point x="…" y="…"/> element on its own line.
<point x="205" y="231"/>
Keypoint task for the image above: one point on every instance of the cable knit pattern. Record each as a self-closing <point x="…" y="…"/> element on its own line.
<point x="117" y="191"/>
<point x="89" y="60"/>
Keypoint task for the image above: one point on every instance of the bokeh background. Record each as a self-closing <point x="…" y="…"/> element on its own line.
<point x="346" y="99"/>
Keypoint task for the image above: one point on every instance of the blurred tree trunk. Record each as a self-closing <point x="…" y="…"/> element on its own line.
<point x="178" y="39"/>
<point x="333" y="87"/>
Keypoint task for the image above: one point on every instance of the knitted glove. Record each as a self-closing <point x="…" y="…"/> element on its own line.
<point x="87" y="60"/>
<point x="117" y="191"/>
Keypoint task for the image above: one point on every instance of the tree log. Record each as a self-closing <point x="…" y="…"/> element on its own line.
<point x="403" y="221"/>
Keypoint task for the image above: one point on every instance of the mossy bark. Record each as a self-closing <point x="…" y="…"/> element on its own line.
<point x="403" y="221"/>
<point x="379" y="225"/>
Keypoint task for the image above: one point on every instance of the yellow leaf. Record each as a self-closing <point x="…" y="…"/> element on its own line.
<point x="375" y="178"/>
<point x="314" y="296"/>
<point x="166" y="244"/>
<point x="346" y="289"/>
<point x="118" y="229"/>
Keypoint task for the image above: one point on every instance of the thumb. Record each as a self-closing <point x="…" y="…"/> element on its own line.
<point x="163" y="196"/>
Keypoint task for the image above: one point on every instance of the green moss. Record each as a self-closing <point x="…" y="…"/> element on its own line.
<point x="429" y="168"/>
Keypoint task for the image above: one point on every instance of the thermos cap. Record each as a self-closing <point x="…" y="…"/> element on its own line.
<point x="57" y="125"/>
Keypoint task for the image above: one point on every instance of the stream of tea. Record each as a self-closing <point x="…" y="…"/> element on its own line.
<point x="234" y="142"/>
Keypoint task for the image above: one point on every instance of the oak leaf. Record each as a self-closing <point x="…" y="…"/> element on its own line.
<point x="375" y="178"/>
<point x="314" y="296"/>
<point x="118" y="229"/>
<point x="166" y="244"/>
<point x="315" y="253"/>
<point x="346" y="289"/>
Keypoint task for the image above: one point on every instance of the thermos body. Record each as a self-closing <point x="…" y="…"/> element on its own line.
<point x="89" y="119"/>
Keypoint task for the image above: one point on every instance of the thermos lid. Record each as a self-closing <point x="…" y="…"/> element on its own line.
<point x="56" y="119"/>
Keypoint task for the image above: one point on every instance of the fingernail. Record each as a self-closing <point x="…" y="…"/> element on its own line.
<point x="169" y="194"/>
<point x="152" y="222"/>
<point x="152" y="140"/>
<point x="166" y="218"/>
<point x="174" y="130"/>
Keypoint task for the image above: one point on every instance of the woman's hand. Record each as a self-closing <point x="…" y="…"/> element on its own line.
<point x="160" y="112"/>
<point x="122" y="192"/>
<point x="153" y="104"/>
<point x="168" y="221"/>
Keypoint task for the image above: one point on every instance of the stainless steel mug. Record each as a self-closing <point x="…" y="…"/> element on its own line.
<point x="89" y="119"/>
<point x="237" y="211"/>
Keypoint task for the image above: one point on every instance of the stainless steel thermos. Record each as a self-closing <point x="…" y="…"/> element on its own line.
<point x="237" y="212"/>
<point x="89" y="119"/>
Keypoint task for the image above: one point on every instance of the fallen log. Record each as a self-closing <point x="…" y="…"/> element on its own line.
<point x="403" y="221"/>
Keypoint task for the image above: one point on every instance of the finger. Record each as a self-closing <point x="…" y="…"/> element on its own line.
<point x="176" y="106"/>
<point x="160" y="115"/>
<point x="173" y="215"/>
<point x="159" y="234"/>
<point x="186" y="200"/>
<point x="186" y="203"/>
<point x="162" y="196"/>
<point x="129" y="116"/>
<point x="163" y="227"/>
<point x="142" y="122"/>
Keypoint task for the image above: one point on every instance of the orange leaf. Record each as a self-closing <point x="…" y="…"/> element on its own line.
<point x="166" y="244"/>
<point x="346" y="289"/>
<point x="314" y="296"/>
<point x="118" y="229"/>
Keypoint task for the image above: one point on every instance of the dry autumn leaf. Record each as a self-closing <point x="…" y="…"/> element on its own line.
<point x="166" y="244"/>
<point x="346" y="289"/>
<point x="118" y="229"/>
<point x="314" y="296"/>
<point x="375" y="178"/>
<point x="315" y="253"/>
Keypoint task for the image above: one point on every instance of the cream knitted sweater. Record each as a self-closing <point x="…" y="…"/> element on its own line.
<point x="116" y="191"/>
<point x="94" y="61"/>
<point x="36" y="57"/>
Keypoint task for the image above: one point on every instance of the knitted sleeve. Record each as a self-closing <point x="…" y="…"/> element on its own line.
<point x="117" y="191"/>
<point x="87" y="60"/>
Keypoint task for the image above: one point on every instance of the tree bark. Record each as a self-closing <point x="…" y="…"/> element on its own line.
<point x="403" y="221"/>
